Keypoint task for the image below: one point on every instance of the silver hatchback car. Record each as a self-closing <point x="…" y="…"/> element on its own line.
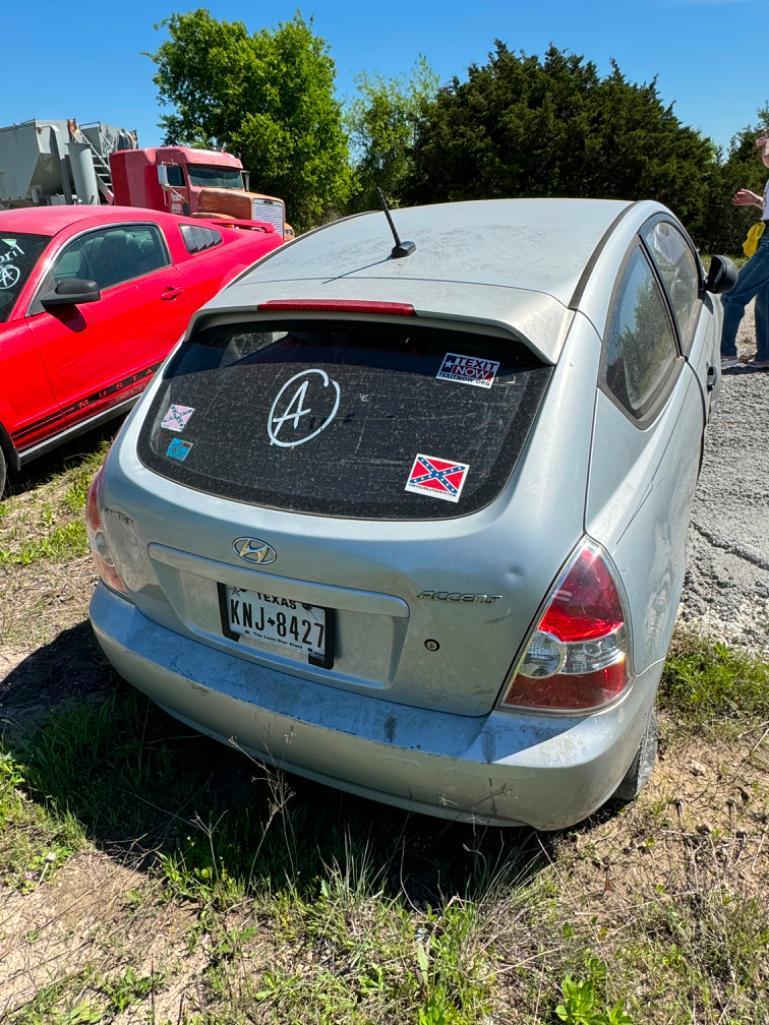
<point x="413" y="523"/>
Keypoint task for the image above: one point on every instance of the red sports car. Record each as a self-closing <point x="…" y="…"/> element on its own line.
<point x="91" y="301"/>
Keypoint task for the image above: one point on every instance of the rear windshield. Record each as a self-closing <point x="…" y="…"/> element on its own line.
<point x="343" y="418"/>
<point x="19" y="253"/>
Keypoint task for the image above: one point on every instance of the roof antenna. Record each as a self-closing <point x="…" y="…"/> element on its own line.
<point x="400" y="248"/>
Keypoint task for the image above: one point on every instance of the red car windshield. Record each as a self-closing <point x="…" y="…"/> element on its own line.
<point x="19" y="252"/>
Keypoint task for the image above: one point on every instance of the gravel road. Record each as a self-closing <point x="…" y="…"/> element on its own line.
<point x="726" y="592"/>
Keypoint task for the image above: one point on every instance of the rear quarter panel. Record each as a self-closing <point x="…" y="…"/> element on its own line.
<point x="642" y="482"/>
<point x="207" y="272"/>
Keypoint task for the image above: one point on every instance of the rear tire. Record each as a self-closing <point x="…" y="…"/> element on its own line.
<point x="3" y="473"/>
<point x="641" y="768"/>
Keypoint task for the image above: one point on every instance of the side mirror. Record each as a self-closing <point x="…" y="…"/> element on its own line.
<point x="722" y="275"/>
<point x="163" y="176"/>
<point x="71" y="292"/>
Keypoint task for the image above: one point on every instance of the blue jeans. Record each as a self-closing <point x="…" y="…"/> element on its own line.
<point x="752" y="281"/>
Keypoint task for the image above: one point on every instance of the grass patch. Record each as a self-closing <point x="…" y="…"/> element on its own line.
<point x="47" y="522"/>
<point x="382" y="961"/>
<point x="309" y="906"/>
<point x="704" y="948"/>
<point x="127" y="988"/>
<point x="35" y="841"/>
<point x="61" y="1003"/>
<point x="63" y="543"/>
<point x="354" y="895"/>
<point x="703" y="682"/>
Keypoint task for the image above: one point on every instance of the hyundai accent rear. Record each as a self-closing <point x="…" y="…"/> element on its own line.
<point x="345" y="528"/>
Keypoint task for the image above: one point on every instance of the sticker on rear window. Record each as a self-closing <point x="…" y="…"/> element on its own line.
<point x="179" y="449"/>
<point x="176" y="417"/>
<point x="440" y="478"/>
<point x="322" y="401"/>
<point x="468" y="370"/>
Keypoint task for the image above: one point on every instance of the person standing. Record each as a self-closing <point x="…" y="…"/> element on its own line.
<point x="753" y="282"/>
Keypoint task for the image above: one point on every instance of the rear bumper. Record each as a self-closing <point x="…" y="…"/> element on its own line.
<point x="548" y="772"/>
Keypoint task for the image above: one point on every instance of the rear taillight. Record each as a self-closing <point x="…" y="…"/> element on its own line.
<point x="577" y="657"/>
<point x="100" y="549"/>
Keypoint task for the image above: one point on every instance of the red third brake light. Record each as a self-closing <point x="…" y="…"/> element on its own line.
<point x="576" y="658"/>
<point x="335" y="306"/>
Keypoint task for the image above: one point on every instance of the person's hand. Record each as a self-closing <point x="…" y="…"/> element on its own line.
<point x="744" y="197"/>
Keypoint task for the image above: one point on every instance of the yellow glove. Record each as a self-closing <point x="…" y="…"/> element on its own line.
<point x="750" y="245"/>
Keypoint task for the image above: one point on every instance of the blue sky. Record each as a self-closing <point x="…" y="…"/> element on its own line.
<point x="84" y="59"/>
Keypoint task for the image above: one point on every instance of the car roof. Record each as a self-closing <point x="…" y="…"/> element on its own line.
<point x="540" y="244"/>
<point x="511" y="262"/>
<point x="50" y="220"/>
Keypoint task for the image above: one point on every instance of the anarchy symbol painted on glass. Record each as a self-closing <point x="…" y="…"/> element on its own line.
<point x="297" y="415"/>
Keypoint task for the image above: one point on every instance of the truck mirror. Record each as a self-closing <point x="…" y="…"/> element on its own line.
<point x="163" y="176"/>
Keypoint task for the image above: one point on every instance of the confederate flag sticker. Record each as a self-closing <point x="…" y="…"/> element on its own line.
<point x="468" y="370"/>
<point x="176" y="418"/>
<point x="441" y="478"/>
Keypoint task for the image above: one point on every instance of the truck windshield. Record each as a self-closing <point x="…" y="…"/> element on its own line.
<point x="215" y="177"/>
<point x="19" y="252"/>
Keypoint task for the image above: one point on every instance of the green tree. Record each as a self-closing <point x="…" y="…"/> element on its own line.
<point x="383" y="122"/>
<point x="267" y="96"/>
<point x="524" y="126"/>
<point x="725" y="225"/>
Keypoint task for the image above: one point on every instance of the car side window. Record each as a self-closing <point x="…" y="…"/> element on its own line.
<point x="112" y="255"/>
<point x="640" y="349"/>
<point x="197" y="238"/>
<point x="677" y="268"/>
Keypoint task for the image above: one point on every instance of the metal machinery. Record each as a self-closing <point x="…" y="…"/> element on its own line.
<point x="50" y="162"/>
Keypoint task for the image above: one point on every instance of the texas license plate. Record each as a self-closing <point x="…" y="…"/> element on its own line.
<point x="283" y="622"/>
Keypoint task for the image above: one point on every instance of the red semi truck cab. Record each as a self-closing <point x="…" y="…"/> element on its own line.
<point x="194" y="182"/>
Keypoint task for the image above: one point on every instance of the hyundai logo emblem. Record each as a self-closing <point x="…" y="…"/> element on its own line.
<point x="254" y="550"/>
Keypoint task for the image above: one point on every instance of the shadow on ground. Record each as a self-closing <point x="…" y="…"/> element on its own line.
<point x="71" y="667"/>
<point x="152" y="794"/>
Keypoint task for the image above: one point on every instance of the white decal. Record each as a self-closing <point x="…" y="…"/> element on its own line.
<point x="295" y="409"/>
<point x="9" y="275"/>
<point x="468" y="370"/>
<point x="176" y="417"/>
<point x="9" y="272"/>
<point x="14" y="249"/>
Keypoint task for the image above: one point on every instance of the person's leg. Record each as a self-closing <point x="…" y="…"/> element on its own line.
<point x="762" y="323"/>
<point x="753" y="277"/>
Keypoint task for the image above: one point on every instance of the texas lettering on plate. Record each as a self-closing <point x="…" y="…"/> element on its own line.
<point x="281" y="621"/>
